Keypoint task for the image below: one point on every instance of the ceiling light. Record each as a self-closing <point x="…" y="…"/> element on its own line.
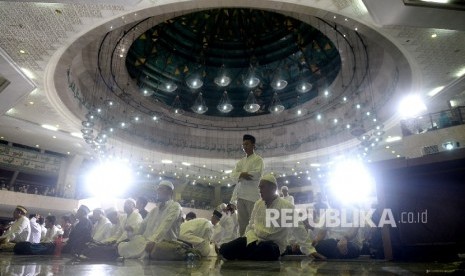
<point x="194" y="82"/>
<point x="199" y="106"/>
<point x="434" y="35"/>
<point x="49" y="127"/>
<point x="166" y="161"/>
<point x="186" y="164"/>
<point x="304" y="87"/>
<point x="147" y="92"/>
<point x="177" y="107"/>
<point x="436" y="1"/>
<point x="393" y="139"/>
<point x="358" y="106"/>
<point x="461" y="72"/>
<point x="251" y="80"/>
<point x="22" y="51"/>
<point x="228" y="171"/>
<point x="251" y="104"/>
<point x="435" y="91"/>
<point x="28" y="73"/>
<point x="36" y="145"/>
<point x="225" y="105"/>
<point x="76" y="134"/>
<point x="326" y="93"/>
<point x="411" y="106"/>
<point x="54" y="137"/>
<point x="170" y="87"/>
<point x="318" y="117"/>
<point x="315" y="165"/>
<point x="276" y="107"/>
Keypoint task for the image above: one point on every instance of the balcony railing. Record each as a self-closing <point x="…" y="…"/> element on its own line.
<point x="433" y="121"/>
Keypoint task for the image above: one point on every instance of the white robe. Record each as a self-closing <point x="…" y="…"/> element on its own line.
<point x="19" y="231"/>
<point x="197" y="232"/>
<point x="36" y="231"/>
<point x="51" y="234"/>
<point x="101" y="230"/>
<point x="161" y="223"/>
<point x="248" y="189"/>
<point x="289" y="198"/>
<point x="229" y="228"/>
<point x="257" y="230"/>
<point x="119" y="233"/>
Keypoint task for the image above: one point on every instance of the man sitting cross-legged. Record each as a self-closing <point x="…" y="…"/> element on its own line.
<point x="262" y="242"/>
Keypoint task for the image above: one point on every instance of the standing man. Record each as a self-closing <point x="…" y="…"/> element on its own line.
<point x="286" y="195"/>
<point x="247" y="173"/>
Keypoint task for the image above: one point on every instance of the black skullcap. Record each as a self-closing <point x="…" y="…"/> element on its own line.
<point x="249" y="137"/>
<point x="217" y="214"/>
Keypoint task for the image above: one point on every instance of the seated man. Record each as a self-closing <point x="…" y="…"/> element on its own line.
<point x="102" y="226"/>
<point x="79" y="236"/>
<point x="81" y="233"/>
<point x="262" y="243"/>
<point x="161" y="224"/>
<point x="52" y="230"/>
<point x="125" y="225"/>
<point x="36" y="229"/>
<point x="226" y="227"/>
<point x="18" y="232"/>
<point x="198" y="232"/>
<point x="338" y="242"/>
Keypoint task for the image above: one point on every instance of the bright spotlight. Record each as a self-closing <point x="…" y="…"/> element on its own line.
<point x="109" y="179"/>
<point x="350" y="182"/>
<point x="411" y="106"/>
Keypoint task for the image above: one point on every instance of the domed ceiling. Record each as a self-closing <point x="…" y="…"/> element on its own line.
<point x="224" y="54"/>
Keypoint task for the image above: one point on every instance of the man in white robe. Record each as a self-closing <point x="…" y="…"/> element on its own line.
<point x="198" y="232"/>
<point x="126" y="224"/>
<point x="19" y="231"/>
<point x="52" y="230"/>
<point x="262" y="242"/>
<point x="36" y="230"/>
<point x="102" y="226"/>
<point x="247" y="174"/>
<point x="161" y="224"/>
<point x="286" y="195"/>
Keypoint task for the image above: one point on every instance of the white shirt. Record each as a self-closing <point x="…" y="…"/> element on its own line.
<point x="43" y="231"/>
<point x="36" y="231"/>
<point x="257" y="230"/>
<point x="197" y="232"/>
<point x="230" y="228"/>
<point x="19" y="231"/>
<point x="248" y="189"/>
<point x="289" y="198"/>
<point x="102" y="229"/>
<point x="51" y="234"/>
<point x="162" y="223"/>
<point x="119" y="233"/>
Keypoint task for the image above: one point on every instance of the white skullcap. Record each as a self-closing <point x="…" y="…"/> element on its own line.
<point x="167" y="184"/>
<point x="270" y="178"/>
<point x="222" y="206"/>
<point x="284" y="188"/>
<point x="132" y="200"/>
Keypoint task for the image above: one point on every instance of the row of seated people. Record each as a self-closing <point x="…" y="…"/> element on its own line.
<point x="27" y="189"/>
<point x="164" y="235"/>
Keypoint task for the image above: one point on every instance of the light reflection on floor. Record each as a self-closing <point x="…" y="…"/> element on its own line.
<point x="46" y="265"/>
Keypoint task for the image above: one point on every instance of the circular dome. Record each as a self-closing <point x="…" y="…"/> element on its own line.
<point x="218" y="50"/>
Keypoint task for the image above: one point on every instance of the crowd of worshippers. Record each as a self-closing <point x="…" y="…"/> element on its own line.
<point x="164" y="234"/>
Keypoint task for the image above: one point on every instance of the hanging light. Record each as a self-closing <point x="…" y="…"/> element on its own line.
<point x="199" y="106"/>
<point x="251" y="80"/>
<point x="170" y="87"/>
<point x="299" y="109"/>
<point x="146" y="92"/>
<point x="276" y="106"/>
<point x="222" y="79"/>
<point x="251" y="104"/>
<point x="176" y="108"/>
<point x="304" y="87"/>
<point x="225" y="105"/>
<point x="194" y="81"/>
<point x="278" y="83"/>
